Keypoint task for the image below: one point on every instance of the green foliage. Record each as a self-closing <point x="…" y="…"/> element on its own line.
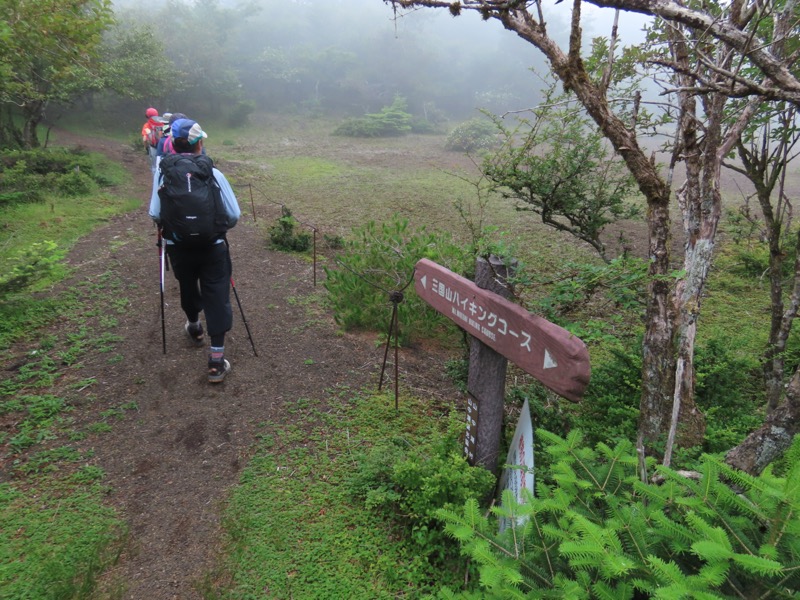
<point x="55" y="541"/>
<point x="420" y="125"/>
<point x="135" y="65"/>
<point x="391" y="121"/>
<point x="621" y="283"/>
<point x="286" y="233"/>
<point x="28" y="175"/>
<point x="378" y="260"/>
<point x="239" y="115"/>
<point x="559" y="166"/>
<point x="50" y="56"/>
<point x="29" y="266"/>
<point x="594" y="530"/>
<point x="474" y="135"/>
<point x="294" y="523"/>
<point x="729" y="393"/>
<point x="406" y="483"/>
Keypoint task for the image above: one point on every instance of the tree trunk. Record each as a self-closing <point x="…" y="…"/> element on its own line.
<point x="32" y="114"/>
<point x="486" y="380"/>
<point x="773" y="438"/>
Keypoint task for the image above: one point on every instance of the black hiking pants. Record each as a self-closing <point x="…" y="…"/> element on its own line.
<point x="204" y="276"/>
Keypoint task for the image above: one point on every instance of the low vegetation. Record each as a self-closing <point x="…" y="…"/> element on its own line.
<point x="57" y="536"/>
<point x="353" y="498"/>
<point x="342" y="502"/>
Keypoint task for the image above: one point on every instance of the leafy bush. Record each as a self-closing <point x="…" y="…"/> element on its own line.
<point x="473" y="135"/>
<point x="286" y="234"/>
<point x="240" y="114"/>
<point x="728" y="393"/>
<point x="408" y="484"/>
<point x="391" y="121"/>
<point x="75" y="183"/>
<point x="560" y="166"/>
<point x="378" y="260"/>
<point x="420" y="125"/>
<point x="594" y="530"/>
<point x="29" y="266"/>
<point x="27" y="175"/>
<point x="621" y="283"/>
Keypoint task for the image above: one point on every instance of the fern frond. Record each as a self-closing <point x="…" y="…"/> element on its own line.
<point x="665" y="572"/>
<point x="675" y="533"/>
<point x="605" y="591"/>
<point x="617" y="565"/>
<point x="712" y="551"/>
<point x="715" y="574"/>
<point x="758" y="565"/>
<point x="564" y="587"/>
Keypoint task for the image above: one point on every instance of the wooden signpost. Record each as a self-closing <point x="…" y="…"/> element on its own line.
<point x="502" y="330"/>
<point x="548" y="352"/>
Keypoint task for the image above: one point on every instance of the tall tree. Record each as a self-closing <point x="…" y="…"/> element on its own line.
<point x="50" y="54"/>
<point x="765" y="152"/>
<point x="135" y="65"/>
<point x="711" y="53"/>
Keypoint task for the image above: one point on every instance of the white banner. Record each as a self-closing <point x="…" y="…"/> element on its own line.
<point x="520" y="454"/>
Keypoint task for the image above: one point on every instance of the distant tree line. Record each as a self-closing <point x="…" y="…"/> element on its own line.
<point x="227" y="59"/>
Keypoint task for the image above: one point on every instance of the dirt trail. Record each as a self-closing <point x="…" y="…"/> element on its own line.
<point x="171" y="461"/>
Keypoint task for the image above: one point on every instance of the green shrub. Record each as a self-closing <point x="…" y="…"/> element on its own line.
<point x="29" y="266"/>
<point x="240" y="114"/>
<point x="594" y="530"/>
<point x="728" y="392"/>
<point x="473" y="135"/>
<point x="407" y="484"/>
<point x="391" y="121"/>
<point x="420" y="125"/>
<point x="75" y="183"/>
<point x="26" y="175"/>
<point x="378" y="260"/>
<point x="286" y="234"/>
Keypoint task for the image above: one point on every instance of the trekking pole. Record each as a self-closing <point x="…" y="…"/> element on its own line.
<point x="162" y="260"/>
<point x="244" y="320"/>
<point x="239" y="302"/>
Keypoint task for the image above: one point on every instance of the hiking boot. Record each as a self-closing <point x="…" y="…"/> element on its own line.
<point x="218" y="370"/>
<point x="194" y="333"/>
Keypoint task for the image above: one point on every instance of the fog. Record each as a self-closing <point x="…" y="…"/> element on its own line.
<point x="347" y="57"/>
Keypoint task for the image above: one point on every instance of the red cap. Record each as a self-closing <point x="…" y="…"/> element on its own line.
<point x="151" y="112"/>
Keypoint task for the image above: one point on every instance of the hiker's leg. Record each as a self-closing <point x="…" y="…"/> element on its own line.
<point x="215" y="286"/>
<point x="186" y="266"/>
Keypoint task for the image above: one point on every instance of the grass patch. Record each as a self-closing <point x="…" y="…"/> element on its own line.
<point x="55" y="539"/>
<point x="56" y="536"/>
<point x="295" y="528"/>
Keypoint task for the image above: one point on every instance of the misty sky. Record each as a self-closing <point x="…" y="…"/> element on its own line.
<point x="474" y="63"/>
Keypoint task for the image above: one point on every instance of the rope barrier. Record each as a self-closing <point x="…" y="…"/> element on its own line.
<point x="285" y="209"/>
<point x="395" y="296"/>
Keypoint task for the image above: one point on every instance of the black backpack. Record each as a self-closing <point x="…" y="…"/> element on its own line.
<point x="191" y="201"/>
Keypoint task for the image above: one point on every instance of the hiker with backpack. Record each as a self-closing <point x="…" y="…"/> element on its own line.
<point x="194" y="205"/>
<point x="164" y="146"/>
<point x="151" y="133"/>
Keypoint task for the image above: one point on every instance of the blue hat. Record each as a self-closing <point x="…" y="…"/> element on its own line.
<point x="186" y="128"/>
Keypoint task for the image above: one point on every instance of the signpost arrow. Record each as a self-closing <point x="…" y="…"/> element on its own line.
<point x="548" y="352"/>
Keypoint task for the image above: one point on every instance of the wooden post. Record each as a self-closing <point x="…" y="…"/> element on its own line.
<point x="486" y="382"/>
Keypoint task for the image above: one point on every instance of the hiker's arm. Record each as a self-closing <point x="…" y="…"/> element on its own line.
<point x="229" y="201"/>
<point x="155" y="201"/>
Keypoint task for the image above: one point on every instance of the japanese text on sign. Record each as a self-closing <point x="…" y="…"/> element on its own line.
<point x="474" y="315"/>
